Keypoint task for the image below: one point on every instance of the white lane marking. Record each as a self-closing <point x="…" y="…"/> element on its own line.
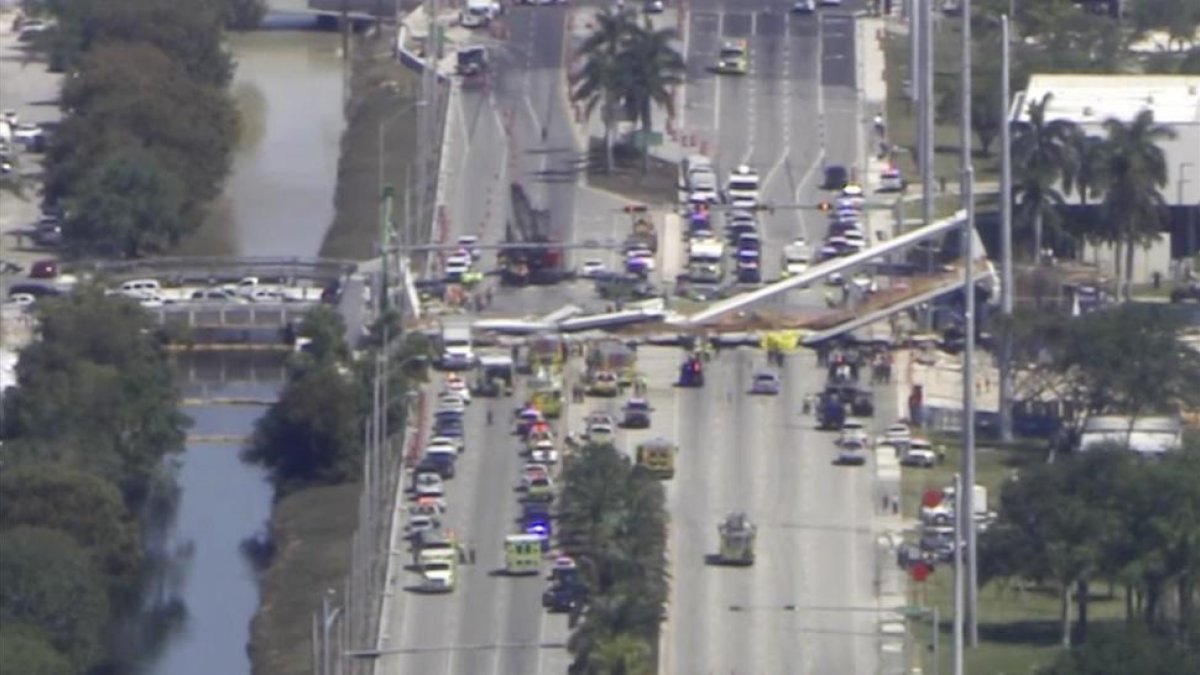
<point x="715" y="150"/>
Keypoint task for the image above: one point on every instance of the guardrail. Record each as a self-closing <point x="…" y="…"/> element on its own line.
<point x="209" y="269"/>
<point x="260" y="315"/>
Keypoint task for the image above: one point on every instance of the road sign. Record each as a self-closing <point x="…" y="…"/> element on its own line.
<point x="920" y="571"/>
<point x="931" y="498"/>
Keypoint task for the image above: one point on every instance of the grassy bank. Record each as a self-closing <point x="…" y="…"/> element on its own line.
<point x="312" y="531"/>
<point x="382" y="93"/>
<point x="1018" y="626"/>
<point x="902" y="112"/>
<point x="655" y="187"/>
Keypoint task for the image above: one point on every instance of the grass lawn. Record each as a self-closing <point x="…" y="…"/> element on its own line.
<point x="901" y="112"/>
<point x="655" y="187"/>
<point x="312" y="529"/>
<point x="380" y="88"/>
<point x="1018" y="627"/>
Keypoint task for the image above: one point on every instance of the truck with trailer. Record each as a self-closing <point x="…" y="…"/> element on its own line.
<point x="532" y="257"/>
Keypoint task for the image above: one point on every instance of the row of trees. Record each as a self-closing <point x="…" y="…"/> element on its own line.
<point x="313" y="435"/>
<point x="628" y="70"/>
<point x="149" y="127"/>
<point x="85" y="435"/>
<point x="613" y="519"/>
<point x="1107" y="516"/>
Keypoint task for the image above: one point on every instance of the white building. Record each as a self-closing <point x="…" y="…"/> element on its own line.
<point x="1089" y="100"/>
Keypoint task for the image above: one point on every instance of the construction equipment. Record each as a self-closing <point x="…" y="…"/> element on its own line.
<point x="539" y="263"/>
<point x="737" y="540"/>
<point x="657" y="457"/>
<point x="642" y="234"/>
<point x="473" y="66"/>
<point x="546" y="392"/>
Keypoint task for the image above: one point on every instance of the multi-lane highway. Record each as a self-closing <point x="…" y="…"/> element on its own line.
<point x="793" y="113"/>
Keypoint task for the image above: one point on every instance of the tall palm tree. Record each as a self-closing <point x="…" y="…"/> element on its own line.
<point x="1086" y="179"/>
<point x="597" y="84"/>
<point x="1042" y="149"/>
<point x="1135" y="171"/>
<point x="652" y="67"/>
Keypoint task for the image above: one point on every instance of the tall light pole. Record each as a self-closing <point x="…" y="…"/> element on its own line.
<point x="925" y="98"/>
<point x="1189" y="210"/>
<point x="387" y="200"/>
<point x="1006" y="270"/>
<point x="966" y="508"/>
<point x="958" y="576"/>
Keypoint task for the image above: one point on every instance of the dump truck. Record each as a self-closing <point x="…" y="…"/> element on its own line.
<point x="533" y="258"/>
<point x="641" y="232"/>
<point x="657" y="457"/>
<point x="737" y="535"/>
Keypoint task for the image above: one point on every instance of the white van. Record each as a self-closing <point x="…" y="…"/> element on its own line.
<point x="742" y="190"/>
<point x="478" y="13"/>
<point x="141" y="289"/>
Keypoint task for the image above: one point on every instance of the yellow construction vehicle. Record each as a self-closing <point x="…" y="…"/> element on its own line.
<point x="657" y="457"/>
<point x="737" y="540"/>
<point x="546" y="392"/>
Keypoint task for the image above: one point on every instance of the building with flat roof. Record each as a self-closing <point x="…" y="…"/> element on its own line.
<point x="1089" y="100"/>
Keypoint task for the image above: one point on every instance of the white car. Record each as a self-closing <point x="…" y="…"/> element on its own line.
<point x="471" y="243"/>
<point x="897" y="433"/>
<point x="600" y="433"/>
<point x="852" y="454"/>
<point x="855" y="239"/>
<point x="452" y="402"/>
<point x="804" y="6"/>
<point x="852" y="433"/>
<point x="419" y="523"/>
<point x="856" y="203"/>
<point x="442" y="443"/>
<point x="831" y="3"/>
<point x="267" y="295"/>
<point x="852" y="189"/>
<point x="21" y="299"/>
<point x="919" y="453"/>
<point x="592" y="268"/>
<point x="457" y="385"/>
<point x="544" y="452"/>
<point x="641" y="256"/>
<point x="459" y="260"/>
<point x="429" y="485"/>
<point x="532" y="472"/>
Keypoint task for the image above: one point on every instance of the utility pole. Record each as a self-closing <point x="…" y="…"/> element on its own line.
<point x="966" y="506"/>
<point x="386" y="195"/>
<point x="926" y="105"/>
<point x="1006" y="270"/>
<point x="958" y="576"/>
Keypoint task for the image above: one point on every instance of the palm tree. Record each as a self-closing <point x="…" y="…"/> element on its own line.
<point x="597" y="84"/>
<point x="652" y="68"/>
<point x="1042" y="149"/>
<point x="1135" y="170"/>
<point x="1086" y="179"/>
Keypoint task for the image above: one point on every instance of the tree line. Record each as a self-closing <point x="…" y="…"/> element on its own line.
<point x="313" y="435"/>
<point x="86" y="433"/>
<point x="613" y="520"/>
<point x="1107" y="516"/>
<point x="628" y="69"/>
<point x="148" y="125"/>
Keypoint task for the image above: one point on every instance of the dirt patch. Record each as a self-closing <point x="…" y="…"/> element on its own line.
<point x="382" y="92"/>
<point x="312" y="532"/>
<point x="654" y="187"/>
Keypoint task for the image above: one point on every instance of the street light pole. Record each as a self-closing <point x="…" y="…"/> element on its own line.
<point x="926" y="110"/>
<point x="958" y="576"/>
<point x="387" y="194"/>
<point x="1006" y="270"/>
<point x="1190" y="210"/>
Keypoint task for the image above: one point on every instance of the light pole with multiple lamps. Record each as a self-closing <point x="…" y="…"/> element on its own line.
<point x="386" y="201"/>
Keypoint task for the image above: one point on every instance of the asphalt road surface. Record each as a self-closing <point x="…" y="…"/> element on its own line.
<point x="794" y="112"/>
<point x="494" y="624"/>
<point x="756" y="454"/>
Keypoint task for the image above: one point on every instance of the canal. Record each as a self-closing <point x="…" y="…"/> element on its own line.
<point x="277" y="202"/>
